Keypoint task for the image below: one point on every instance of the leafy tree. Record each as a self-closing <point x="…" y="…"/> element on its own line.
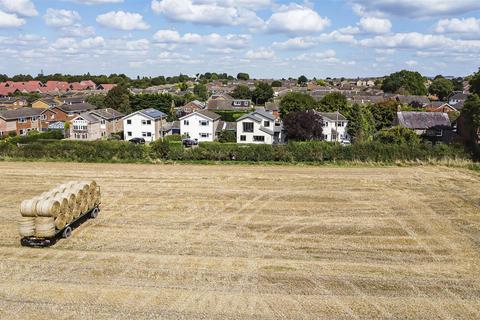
<point x="408" y="82"/>
<point x="98" y="100"/>
<point x="182" y="86"/>
<point x="161" y="102"/>
<point x="384" y="113"/>
<point x="398" y="135"/>
<point x="296" y="101"/>
<point x="334" y="102"/>
<point x="302" y="80"/>
<point x="470" y="115"/>
<point x="277" y="84"/>
<point x="201" y="91"/>
<point x="227" y="136"/>
<point x="119" y="99"/>
<point x="303" y="126"/>
<point x="242" y="92"/>
<point x="243" y="76"/>
<point x="441" y="87"/>
<point x="263" y="93"/>
<point x="457" y="84"/>
<point x="475" y="83"/>
<point x="321" y="83"/>
<point x="361" y="125"/>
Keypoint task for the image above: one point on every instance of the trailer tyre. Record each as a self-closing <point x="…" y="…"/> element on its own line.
<point x="67" y="233"/>
<point x="94" y="213"/>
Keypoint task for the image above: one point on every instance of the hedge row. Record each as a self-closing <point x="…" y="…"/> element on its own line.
<point x="116" y="151"/>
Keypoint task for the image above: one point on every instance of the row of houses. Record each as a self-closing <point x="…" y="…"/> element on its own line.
<point x="13" y="87"/>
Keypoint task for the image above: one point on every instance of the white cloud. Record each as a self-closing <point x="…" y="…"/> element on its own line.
<point x="411" y="63"/>
<point x="209" y="12"/>
<point x="416" y="8"/>
<point x="415" y="40"/>
<point x="464" y="25"/>
<point x="122" y="20"/>
<point x="302" y="43"/>
<point x="73" y="46"/>
<point x="78" y="31"/>
<point x="138" y="45"/>
<point x="61" y="18"/>
<point x="296" y="19"/>
<point x="260" y="54"/>
<point x="213" y="39"/>
<point x="21" y="7"/>
<point x="375" y="25"/>
<point x="317" y="56"/>
<point x="8" y="20"/>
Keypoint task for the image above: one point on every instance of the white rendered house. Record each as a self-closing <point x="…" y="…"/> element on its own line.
<point x="259" y="127"/>
<point x="147" y="124"/>
<point x="200" y="125"/>
<point x="334" y="127"/>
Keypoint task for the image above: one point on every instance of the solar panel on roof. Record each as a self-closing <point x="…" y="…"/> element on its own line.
<point x="154" y="113"/>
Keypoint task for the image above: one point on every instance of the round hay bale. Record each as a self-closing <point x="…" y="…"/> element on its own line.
<point x="44" y="227"/>
<point x="71" y="198"/>
<point x="26" y="226"/>
<point x="64" y="206"/>
<point x="28" y="208"/>
<point x="60" y="222"/>
<point x="48" y="208"/>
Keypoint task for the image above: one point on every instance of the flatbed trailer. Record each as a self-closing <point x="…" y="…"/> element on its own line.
<point x="65" y="233"/>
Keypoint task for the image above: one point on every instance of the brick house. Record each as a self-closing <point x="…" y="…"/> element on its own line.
<point x="20" y="121"/>
<point x="65" y="113"/>
<point x="96" y="125"/>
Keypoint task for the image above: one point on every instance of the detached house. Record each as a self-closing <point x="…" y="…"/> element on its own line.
<point x="148" y="124"/>
<point x="259" y="127"/>
<point x="432" y="125"/>
<point x="97" y="124"/>
<point x="65" y="113"/>
<point x="200" y="125"/>
<point x="13" y="103"/>
<point x="20" y="121"/>
<point x="334" y="127"/>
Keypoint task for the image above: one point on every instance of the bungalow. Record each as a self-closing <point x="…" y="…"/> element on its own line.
<point x="200" y="125"/>
<point x="147" y="124"/>
<point x="13" y="103"/>
<point x="190" y="108"/>
<point x="20" y="121"/>
<point x="259" y="127"/>
<point x="96" y="124"/>
<point x="457" y="97"/>
<point x="435" y="126"/>
<point x="335" y="127"/>
<point x="44" y="103"/>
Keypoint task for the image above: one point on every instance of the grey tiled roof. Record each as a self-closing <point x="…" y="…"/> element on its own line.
<point x="20" y="113"/>
<point x="77" y="107"/>
<point x="423" y="120"/>
<point x="108" y="114"/>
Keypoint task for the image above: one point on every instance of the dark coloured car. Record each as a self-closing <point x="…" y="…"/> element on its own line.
<point x="138" y="141"/>
<point x="189" y="143"/>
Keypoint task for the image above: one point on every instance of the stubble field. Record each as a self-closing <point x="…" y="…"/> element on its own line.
<point x="249" y="242"/>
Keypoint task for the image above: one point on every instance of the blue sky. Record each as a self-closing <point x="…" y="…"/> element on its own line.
<point x="266" y="38"/>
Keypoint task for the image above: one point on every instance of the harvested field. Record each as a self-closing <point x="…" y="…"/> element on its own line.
<point x="249" y="242"/>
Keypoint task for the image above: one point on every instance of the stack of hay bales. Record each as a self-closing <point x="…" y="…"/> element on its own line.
<point x="53" y="210"/>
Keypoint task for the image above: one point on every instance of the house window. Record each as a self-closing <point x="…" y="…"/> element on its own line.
<point x="103" y="121"/>
<point x="22" y="120"/>
<point x="186" y="122"/>
<point x="146" y="134"/>
<point x="21" y="131"/>
<point x="129" y="121"/>
<point x="204" y="122"/>
<point x="129" y="133"/>
<point x="259" y="138"/>
<point x="326" y="124"/>
<point x="146" y="122"/>
<point x="243" y="138"/>
<point x="43" y="117"/>
<point x="204" y="135"/>
<point x="439" y="133"/>
<point x="237" y="103"/>
<point x="248" y="127"/>
<point x="266" y="124"/>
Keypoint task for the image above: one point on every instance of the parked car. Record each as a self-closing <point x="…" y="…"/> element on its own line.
<point x="187" y="143"/>
<point x="345" y="143"/>
<point x="138" y="141"/>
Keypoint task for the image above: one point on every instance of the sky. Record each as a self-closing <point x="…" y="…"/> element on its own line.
<point x="266" y="38"/>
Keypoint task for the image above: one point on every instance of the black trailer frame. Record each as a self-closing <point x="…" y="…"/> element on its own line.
<point x="65" y="233"/>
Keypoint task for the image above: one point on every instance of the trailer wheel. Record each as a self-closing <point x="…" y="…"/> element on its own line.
<point x="67" y="233"/>
<point x="94" y="213"/>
